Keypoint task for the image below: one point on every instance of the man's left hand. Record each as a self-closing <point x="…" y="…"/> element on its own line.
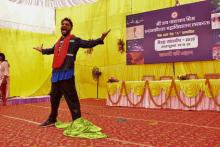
<point x="105" y="34"/>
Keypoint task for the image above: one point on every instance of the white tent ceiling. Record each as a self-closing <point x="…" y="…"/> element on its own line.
<point x="54" y="4"/>
<point x="40" y="17"/>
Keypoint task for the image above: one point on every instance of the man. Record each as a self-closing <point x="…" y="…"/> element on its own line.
<point x="63" y="79"/>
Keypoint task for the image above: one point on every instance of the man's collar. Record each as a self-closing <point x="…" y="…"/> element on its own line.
<point x="64" y="36"/>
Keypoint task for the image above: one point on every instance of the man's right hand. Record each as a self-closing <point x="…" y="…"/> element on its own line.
<point x="39" y="48"/>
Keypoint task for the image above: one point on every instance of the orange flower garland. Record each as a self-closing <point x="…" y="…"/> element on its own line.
<point x="121" y="45"/>
<point x="89" y="50"/>
<point x="173" y="85"/>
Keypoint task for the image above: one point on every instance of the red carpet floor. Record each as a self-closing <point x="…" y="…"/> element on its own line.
<point x="144" y="127"/>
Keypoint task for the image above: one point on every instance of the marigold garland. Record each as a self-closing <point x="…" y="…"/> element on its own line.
<point x="124" y="87"/>
<point x="123" y="83"/>
<point x="142" y="96"/>
<point x="173" y="85"/>
<point x="200" y="98"/>
<point x="121" y="45"/>
<point x="89" y="50"/>
<point x="210" y="90"/>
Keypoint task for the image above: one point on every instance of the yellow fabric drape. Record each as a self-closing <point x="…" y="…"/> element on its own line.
<point x="198" y="67"/>
<point x="89" y="21"/>
<point x="190" y="88"/>
<point x="31" y="72"/>
<point x="29" y="69"/>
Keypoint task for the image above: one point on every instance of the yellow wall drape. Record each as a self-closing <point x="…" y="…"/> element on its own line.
<point x="93" y="19"/>
<point x="29" y="69"/>
<point x="89" y="21"/>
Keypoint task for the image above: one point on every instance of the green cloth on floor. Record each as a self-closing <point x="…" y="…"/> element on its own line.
<point x="81" y="128"/>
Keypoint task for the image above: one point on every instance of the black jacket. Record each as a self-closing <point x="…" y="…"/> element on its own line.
<point x="74" y="45"/>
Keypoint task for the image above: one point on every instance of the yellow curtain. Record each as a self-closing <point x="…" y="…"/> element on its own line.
<point x="29" y="69"/>
<point x="199" y="67"/>
<point x="182" y="2"/>
<point x="89" y="21"/>
<point x="30" y="72"/>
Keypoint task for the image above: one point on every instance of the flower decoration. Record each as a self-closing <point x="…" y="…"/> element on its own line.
<point x="112" y="79"/>
<point x="89" y="50"/>
<point x="121" y="45"/>
<point x="182" y="77"/>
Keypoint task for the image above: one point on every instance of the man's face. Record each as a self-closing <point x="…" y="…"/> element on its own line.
<point x="66" y="28"/>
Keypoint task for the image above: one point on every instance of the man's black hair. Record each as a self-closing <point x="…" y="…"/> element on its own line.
<point x="67" y="19"/>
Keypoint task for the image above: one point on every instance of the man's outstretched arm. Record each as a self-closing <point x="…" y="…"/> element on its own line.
<point x="90" y="44"/>
<point x="45" y="51"/>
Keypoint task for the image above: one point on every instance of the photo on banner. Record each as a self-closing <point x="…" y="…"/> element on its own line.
<point x="215" y="20"/>
<point x="134" y="39"/>
<point x="216" y="44"/>
<point x="135" y="45"/>
<point x="135" y="58"/>
<point x="176" y="34"/>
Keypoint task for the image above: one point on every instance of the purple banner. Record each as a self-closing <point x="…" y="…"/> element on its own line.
<point x="177" y="34"/>
<point x="19" y="101"/>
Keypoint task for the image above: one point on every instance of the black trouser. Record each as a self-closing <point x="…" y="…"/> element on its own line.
<point x="68" y="89"/>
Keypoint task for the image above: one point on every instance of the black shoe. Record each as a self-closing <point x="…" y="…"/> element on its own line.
<point x="4" y="104"/>
<point x="47" y="123"/>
